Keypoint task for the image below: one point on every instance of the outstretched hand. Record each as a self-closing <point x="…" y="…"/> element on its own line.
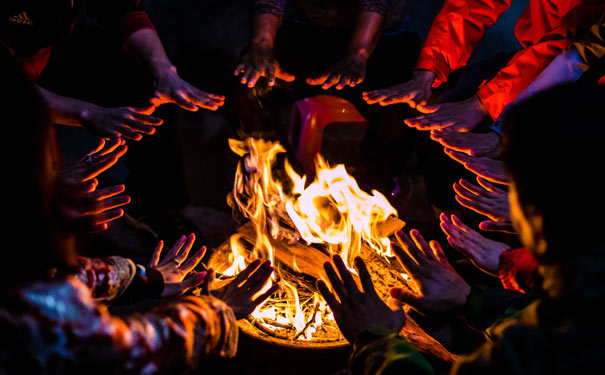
<point x="258" y="62"/>
<point x="472" y="144"/>
<point x="458" y="116"/>
<point x="170" y="88"/>
<point x="240" y="293"/>
<point x="358" y="310"/>
<point x="84" y="208"/>
<point x="490" y="169"/>
<point x="483" y="252"/>
<point x="175" y="267"/>
<point x="349" y="71"/>
<point x="486" y="199"/>
<point x="95" y="162"/>
<point x="415" y="92"/>
<point x="440" y="290"/>
<point x="121" y="122"/>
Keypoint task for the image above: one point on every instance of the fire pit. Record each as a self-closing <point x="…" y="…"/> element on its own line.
<point x="298" y="225"/>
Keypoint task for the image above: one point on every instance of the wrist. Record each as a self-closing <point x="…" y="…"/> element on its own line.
<point x="362" y="53"/>
<point x="426" y="76"/>
<point x="162" y="70"/>
<point x="479" y="105"/>
<point x="85" y="112"/>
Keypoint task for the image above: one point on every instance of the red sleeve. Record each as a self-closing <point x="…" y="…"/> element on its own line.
<point x="518" y="270"/>
<point x="124" y="16"/>
<point x="544" y="29"/>
<point x="133" y="22"/>
<point x="455" y="32"/>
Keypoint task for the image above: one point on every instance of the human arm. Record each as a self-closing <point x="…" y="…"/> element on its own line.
<point x="110" y="123"/>
<point x="351" y="69"/>
<point x="145" y="46"/>
<point x="368" y="323"/>
<point x="259" y="60"/>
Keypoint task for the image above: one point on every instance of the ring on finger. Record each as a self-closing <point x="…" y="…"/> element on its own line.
<point x="176" y="261"/>
<point x="88" y="159"/>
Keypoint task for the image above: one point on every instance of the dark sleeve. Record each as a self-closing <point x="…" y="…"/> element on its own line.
<point x="125" y="17"/>
<point x="486" y="307"/>
<point x="384" y="354"/>
<point x="374" y="6"/>
<point x="275" y="7"/>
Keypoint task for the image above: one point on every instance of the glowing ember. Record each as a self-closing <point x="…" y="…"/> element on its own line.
<point x="331" y="213"/>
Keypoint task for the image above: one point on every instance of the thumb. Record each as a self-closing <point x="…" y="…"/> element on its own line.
<point x="427" y="108"/>
<point x="285" y="76"/>
<point x="405" y="296"/>
<point x="194" y="281"/>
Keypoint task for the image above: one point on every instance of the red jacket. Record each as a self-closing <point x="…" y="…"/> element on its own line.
<point x="544" y="29"/>
<point x="518" y="270"/>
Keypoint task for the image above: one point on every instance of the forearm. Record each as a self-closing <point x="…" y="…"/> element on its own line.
<point x="366" y="34"/>
<point x="145" y="46"/>
<point x="64" y="110"/>
<point x="264" y="30"/>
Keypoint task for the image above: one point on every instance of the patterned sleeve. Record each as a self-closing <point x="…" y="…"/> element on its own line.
<point x="374" y="6"/>
<point x="107" y="278"/>
<point x="275" y="7"/>
<point x="55" y="327"/>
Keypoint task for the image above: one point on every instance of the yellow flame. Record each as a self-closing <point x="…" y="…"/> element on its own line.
<point x="332" y="210"/>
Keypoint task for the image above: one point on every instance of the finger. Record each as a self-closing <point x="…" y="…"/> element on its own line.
<point x="194" y="260"/>
<point x="202" y="99"/>
<point x="260" y="277"/>
<point x="108" y="192"/>
<point x="92" y="170"/>
<point x="328" y="296"/>
<point x="342" y="82"/>
<point x="460" y="157"/>
<point x="406" y="297"/>
<point x="270" y="75"/>
<point x="184" y="252"/>
<point x="193" y="281"/>
<point x="173" y="250"/>
<point x="489" y="187"/>
<point x="155" y="257"/>
<point x="239" y="70"/>
<point x="110" y="146"/>
<point x="345" y="274"/>
<point x="285" y="76"/>
<point x="406" y="261"/>
<point x="318" y="80"/>
<point x="374" y="96"/>
<point x="438" y="251"/>
<point x="245" y="76"/>
<point x="207" y="283"/>
<point x="476" y="190"/>
<point x="99" y="147"/>
<point x="422" y="244"/>
<point x="181" y="101"/>
<point x="243" y="276"/>
<point x="253" y="78"/>
<point x="409" y="247"/>
<point x="144" y="110"/>
<point x="337" y="284"/>
<point x="457" y="222"/>
<point x="364" y="276"/>
<point x="260" y="299"/>
<point x="493" y="226"/>
<point x="474" y="206"/>
<point x="128" y="133"/>
<point x="145" y="119"/>
<point x="108" y="204"/>
<point x="106" y="217"/>
<point x="428" y="108"/>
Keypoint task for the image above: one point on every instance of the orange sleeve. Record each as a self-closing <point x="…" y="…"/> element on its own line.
<point x="455" y="33"/>
<point x="521" y="70"/>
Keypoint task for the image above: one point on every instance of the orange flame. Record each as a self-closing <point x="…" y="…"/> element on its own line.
<point x="332" y="210"/>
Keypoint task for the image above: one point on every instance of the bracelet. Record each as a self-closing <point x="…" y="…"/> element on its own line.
<point x="141" y="270"/>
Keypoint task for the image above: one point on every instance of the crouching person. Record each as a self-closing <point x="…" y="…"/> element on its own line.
<point x="552" y="147"/>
